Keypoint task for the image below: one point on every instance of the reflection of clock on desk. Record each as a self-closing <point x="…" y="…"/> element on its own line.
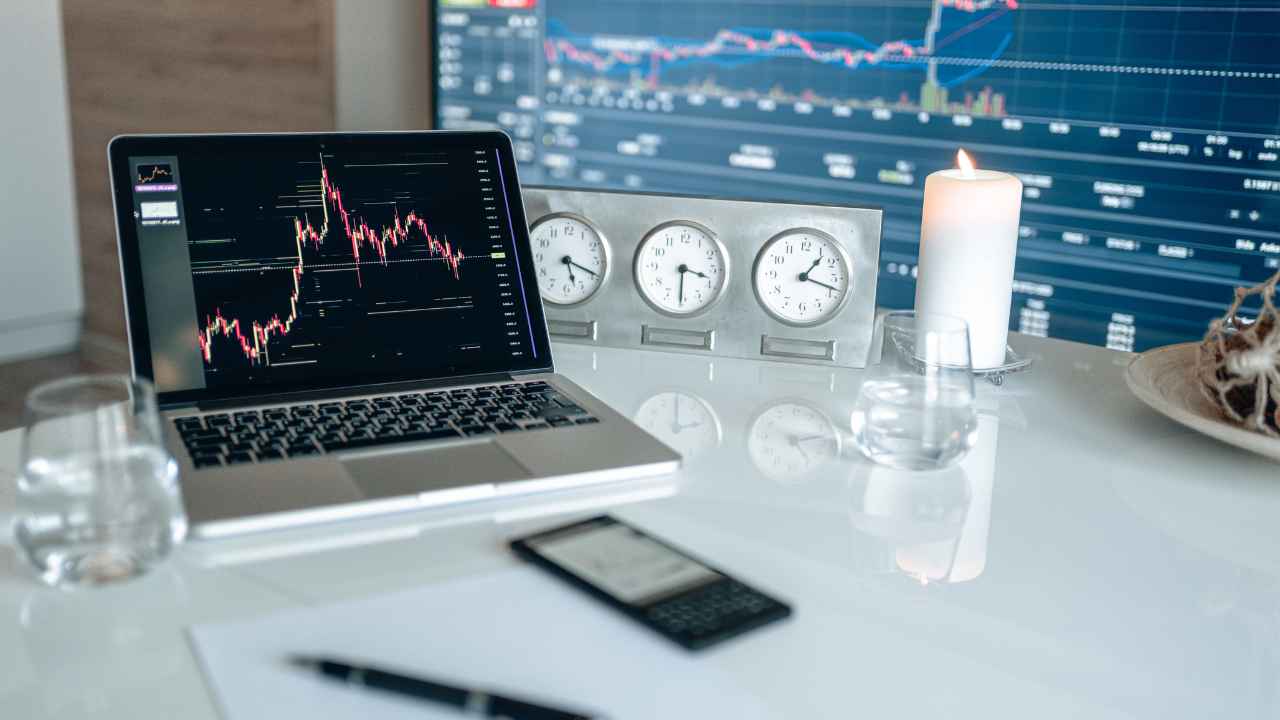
<point x="791" y="439"/>
<point x="717" y="277"/>
<point x="685" y="422"/>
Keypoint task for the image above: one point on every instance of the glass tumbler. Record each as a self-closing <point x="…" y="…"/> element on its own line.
<point x="98" y="496"/>
<point x="915" y="411"/>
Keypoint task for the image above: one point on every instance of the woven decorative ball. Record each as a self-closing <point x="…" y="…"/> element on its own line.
<point x="1239" y="361"/>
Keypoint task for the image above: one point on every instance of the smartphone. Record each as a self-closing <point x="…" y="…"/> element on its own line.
<point x="655" y="584"/>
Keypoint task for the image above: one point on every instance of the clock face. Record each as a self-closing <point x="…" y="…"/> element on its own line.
<point x="681" y="268"/>
<point x="801" y="277"/>
<point x="791" y="439"/>
<point x="684" y="422"/>
<point x="571" y="258"/>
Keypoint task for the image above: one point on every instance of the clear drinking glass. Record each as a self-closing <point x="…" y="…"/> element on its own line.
<point x="916" y="411"/>
<point x="98" y="496"/>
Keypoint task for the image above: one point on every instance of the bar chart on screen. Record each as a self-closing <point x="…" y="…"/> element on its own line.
<point x="1120" y="118"/>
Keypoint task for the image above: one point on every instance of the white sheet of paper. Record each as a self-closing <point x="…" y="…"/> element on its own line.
<point x="516" y="632"/>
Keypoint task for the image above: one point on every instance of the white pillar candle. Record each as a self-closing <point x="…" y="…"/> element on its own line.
<point x="968" y="240"/>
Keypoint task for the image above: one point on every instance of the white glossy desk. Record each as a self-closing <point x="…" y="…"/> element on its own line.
<point x="1089" y="559"/>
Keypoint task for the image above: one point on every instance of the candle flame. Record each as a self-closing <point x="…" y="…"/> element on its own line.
<point x="966" y="165"/>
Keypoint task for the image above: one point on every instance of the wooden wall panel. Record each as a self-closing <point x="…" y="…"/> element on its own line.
<point x="182" y="66"/>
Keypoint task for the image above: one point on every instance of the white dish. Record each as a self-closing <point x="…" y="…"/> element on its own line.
<point x="1165" y="379"/>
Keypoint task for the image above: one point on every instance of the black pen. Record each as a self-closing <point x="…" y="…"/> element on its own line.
<point x="470" y="701"/>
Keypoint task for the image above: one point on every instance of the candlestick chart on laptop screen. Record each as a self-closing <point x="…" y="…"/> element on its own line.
<point x="1147" y="135"/>
<point x="346" y="265"/>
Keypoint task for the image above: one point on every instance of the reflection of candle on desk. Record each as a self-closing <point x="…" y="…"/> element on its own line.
<point x="968" y="239"/>
<point x="980" y="465"/>
<point x="965" y="557"/>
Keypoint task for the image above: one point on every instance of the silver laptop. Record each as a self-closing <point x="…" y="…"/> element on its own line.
<point x="346" y="324"/>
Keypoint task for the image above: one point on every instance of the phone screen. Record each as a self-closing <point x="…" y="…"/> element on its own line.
<point x="623" y="562"/>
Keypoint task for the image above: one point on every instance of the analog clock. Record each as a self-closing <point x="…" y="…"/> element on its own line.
<point x="684" y="422"/>
<point x="790" y="439"/>
<point x="681" y="269"/>
<point x="801" y="277"/>
<point x="571" y="258"/>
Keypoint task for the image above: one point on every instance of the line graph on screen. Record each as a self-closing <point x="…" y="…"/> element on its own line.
<point x="154" y="173"/>
<point x="960" y="40"/>
<point x="339" y="240"/>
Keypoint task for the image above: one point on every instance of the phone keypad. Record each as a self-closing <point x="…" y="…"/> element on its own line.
<point x="711" y="611"/>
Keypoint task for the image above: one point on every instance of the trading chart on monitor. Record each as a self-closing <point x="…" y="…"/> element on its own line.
<point x="1146" y="134"/>
<point x="343" y="265"/>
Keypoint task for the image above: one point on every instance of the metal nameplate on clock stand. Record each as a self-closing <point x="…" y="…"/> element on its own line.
<point x="734" y="278"/>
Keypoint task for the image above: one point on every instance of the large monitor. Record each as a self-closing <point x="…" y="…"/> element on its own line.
<point x="1147" y="135"/>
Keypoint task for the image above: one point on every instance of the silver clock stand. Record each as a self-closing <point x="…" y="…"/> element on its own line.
<point x="716" y="296"/>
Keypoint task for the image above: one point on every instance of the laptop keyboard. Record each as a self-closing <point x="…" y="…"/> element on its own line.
<point x="276" y="433"/>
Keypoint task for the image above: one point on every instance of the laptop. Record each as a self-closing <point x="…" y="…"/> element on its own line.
<point x="343" y="324"/>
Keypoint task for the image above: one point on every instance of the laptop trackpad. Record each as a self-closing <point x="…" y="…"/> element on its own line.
<point x="410" y="473"/>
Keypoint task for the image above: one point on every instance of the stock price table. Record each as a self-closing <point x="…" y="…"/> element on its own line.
<point x="1146" y="134"/>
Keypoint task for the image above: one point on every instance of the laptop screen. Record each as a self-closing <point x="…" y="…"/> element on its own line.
<point x="277" y="263"/>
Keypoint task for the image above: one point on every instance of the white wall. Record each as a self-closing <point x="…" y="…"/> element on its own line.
<point x="41" y="301"/>
<point x="380" y="65"/>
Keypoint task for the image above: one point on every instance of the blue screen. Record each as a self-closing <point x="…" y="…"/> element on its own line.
<point x="1146" y="135"/>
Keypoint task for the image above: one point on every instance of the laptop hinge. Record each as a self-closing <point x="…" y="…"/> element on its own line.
<point x="535" y="371"/>
<point x="331" y="393"/>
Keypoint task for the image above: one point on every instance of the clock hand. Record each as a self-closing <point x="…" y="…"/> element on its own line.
<point x="805" y="275"/>
<point x="676" y="425"/>
<point x="795" y="443"/>
<point x="568" y="265"/>
<point x="817" y="282"/>
<point x="682" y="269"/>
<point x="584" y="269"/>
<point x="807" y="438"/>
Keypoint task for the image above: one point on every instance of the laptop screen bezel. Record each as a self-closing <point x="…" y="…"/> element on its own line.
<point x="123" y="147"/>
